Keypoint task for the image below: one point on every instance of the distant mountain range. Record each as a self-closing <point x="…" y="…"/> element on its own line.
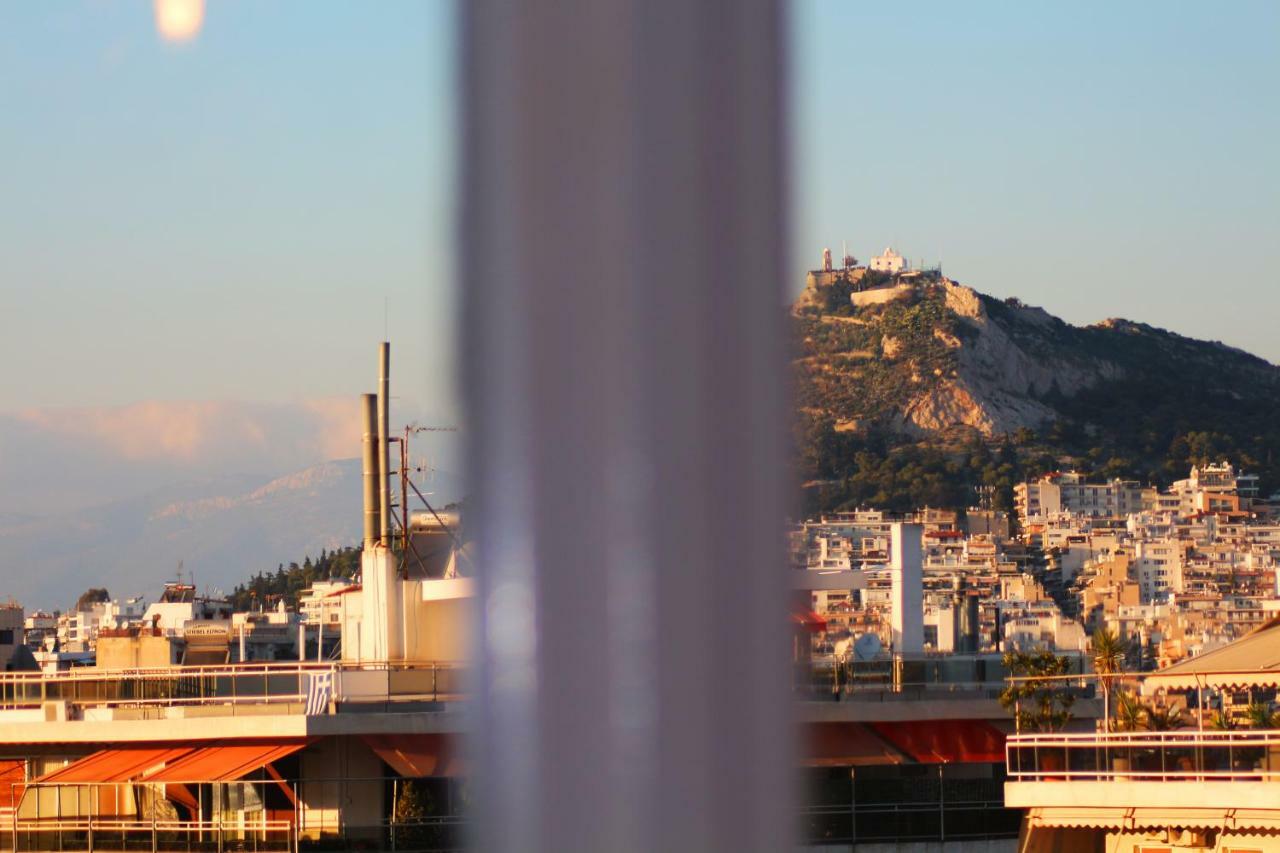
<point x="926" y="392"/>
<point x="222" y="530"/>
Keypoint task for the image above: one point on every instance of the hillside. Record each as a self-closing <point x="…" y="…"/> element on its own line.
<point x="938" y="389"/>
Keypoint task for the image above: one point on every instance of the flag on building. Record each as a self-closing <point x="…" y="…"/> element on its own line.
<point x="319" y="693"/>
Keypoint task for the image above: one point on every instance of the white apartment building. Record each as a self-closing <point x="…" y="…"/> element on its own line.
<point x="1028" y="629"/>
<point x="1070" y="493"/>
<point x="322" y="603"/>
<point x="78" y="629"/>
<point x="1157" y="566"/>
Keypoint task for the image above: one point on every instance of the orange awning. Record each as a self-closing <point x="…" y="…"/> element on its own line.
<point x="224" y="762"/>
<point x="120" y="764"/>
<point x="13" y="778"/>
<point x="807" y="620"/>
<point x="218" y="761"/>
<point x="418" y="756"/>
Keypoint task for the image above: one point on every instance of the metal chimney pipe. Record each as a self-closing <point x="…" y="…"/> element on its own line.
<point x="384" y="441"/>
<point x="372" y="469"/>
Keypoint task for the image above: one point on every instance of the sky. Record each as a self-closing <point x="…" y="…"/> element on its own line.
<point x="1099" y="159"/>
<point x="205" y="238"/>
<point x="207" y="230"/>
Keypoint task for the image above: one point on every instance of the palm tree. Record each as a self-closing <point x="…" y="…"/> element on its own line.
<point x="1131" y="714"/>
<point x="1164" y="719"/>
<point x="1260" y="716"/>
<point x="1039" y="698"/>
<point x="1108" y="661"/>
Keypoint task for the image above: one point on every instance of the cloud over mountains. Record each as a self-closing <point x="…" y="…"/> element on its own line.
<point x="76" y="457"/>
<point x="116" y="496"/>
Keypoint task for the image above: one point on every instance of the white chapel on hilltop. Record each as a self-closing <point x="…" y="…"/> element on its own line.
<point x="890" y="261"/>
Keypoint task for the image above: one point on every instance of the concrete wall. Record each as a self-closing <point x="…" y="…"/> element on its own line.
<point x="438" y="620"/>
<point x="826" y="278"/>
<point x="881" y="295"/>
<point x="431" y="621"/>
<point x="134" y="652"/>
<point x="343" y="788"/>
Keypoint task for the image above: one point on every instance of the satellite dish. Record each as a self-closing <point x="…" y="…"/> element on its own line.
<point x="866" y="647"/>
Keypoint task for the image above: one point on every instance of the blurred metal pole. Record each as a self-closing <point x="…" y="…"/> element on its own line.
<point x="623" y="363"/>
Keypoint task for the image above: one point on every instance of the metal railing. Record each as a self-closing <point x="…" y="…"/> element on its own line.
<point x="895" y="823"/>
<point x="967" y="676"/>
<point x="96" y="833"/>
<point x="1172" y="756"/>
<point x="432" y="822"/>
<point x="153" y="689"/>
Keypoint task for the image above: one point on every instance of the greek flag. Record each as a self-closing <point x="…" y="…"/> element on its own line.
<point x="319" y="693"/>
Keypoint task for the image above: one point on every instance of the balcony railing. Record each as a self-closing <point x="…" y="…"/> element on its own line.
<point x="958" y="676"/>
<point x="1173" y="756"/>
<point x="65" y="817"/>
<point x="153" y="691"/>
<point x="94" y="833"/>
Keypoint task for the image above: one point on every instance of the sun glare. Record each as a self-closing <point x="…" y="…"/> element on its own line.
<point x="179" y="20"/>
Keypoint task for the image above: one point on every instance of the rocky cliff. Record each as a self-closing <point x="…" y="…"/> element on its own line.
<point x="938" y="366"/>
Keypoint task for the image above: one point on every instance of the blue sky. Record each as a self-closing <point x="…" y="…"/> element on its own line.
<point x="222" y="220"/>
<point x="225" y="218"/>
<point x="1099" y="159"/>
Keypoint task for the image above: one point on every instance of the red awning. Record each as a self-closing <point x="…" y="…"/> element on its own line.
<point x="418" y="756"/>
<point x="13" y="776"/>
<point x="845" y="745"/>
<point x="945" y="741"/>
<point x="223" y="762"/>
<point x="807" y="620"/>
<point x="119" y="764"/>
<point x="217" y="761"/>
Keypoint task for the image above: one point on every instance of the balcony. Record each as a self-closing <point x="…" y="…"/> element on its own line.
<point x="1088" y="776"/>
<point x="242" y="690"/>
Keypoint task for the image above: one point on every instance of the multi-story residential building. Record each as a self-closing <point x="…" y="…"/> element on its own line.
<point x="38" y="625"/>
<point x="78" y="629"/>
<point x="1070" y="492"/>
<point x="11" y="632"/>
<point x="1157" y="566"/>
<point x="322" y="603"/>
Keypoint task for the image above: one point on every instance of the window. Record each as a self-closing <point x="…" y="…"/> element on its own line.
<point x="6" y="636"/>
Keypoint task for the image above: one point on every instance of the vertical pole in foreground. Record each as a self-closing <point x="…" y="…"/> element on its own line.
<point x="623" y="365"/>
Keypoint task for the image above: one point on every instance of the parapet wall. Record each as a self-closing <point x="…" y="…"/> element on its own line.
<point x="881" y="295"/>
<point x="826" y="278"/>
